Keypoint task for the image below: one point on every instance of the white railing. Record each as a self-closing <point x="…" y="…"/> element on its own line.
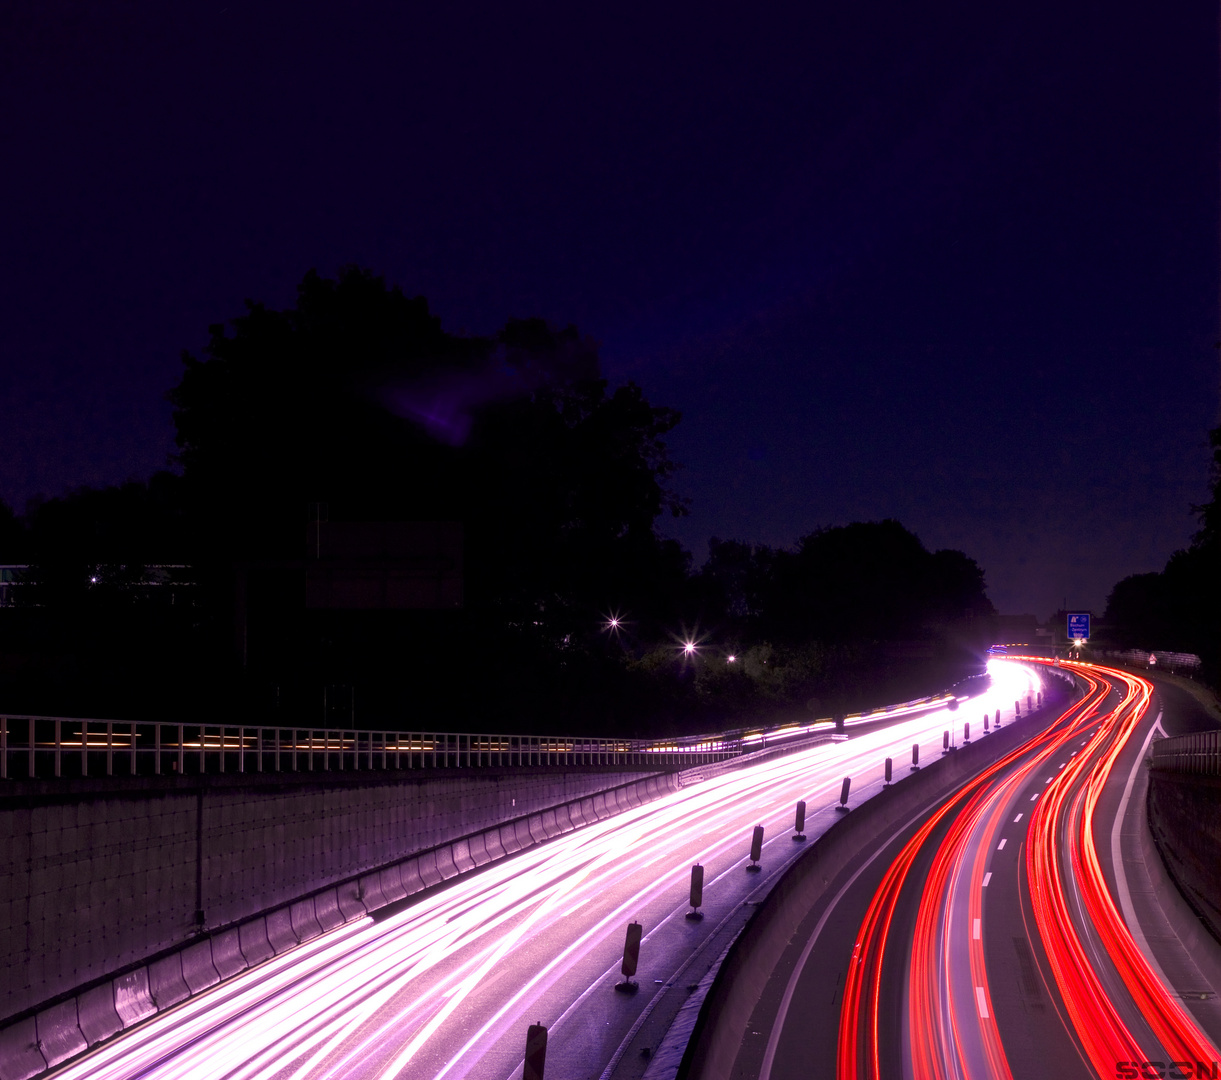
<point x="1199" y="753"/>
<point x="50" y="747"/>
<point x="35" y="747"/>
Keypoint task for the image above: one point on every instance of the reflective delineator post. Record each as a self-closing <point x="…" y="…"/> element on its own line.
<point x="945" y="742"/>
<point x="966" y="732"/>
<point x="915" y="756"/>
<point x="998" y="718"/>
<point x="888" y="771"/>
<point x="843" y="794"/>
<point x="756" y="848"/>
<point x="800" y="825"/>
<point x="697" y="892"/>
<point x="631" y="957"/>
<point x="536" y="1052"/>
<point x="1039" y="699"/>
<point x="1017" y="710"/>
<point x="1029" y="703"/>
<point x="985" y="723"/>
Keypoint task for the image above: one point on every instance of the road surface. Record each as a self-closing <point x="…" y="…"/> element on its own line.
<point x="1011" y="930"/>
<point x="446" y="985"/>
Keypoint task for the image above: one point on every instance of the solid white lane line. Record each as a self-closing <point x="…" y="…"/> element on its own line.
<point x="1121" y="878"/>
<point x="773" y="1042"/>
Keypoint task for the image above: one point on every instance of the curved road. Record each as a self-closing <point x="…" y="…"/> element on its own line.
<point x="998" y="935"/>
<point x="447" y="985"/>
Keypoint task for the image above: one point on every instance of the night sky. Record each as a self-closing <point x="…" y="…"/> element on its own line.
<point x="954" y="263"/>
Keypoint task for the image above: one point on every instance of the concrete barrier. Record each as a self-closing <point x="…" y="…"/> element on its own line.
<point x="304" y="923"/>
<point x="280" y="933"/>
<point x="491" y="841"/>
<point x="255" y="943"/>
<point x="430" y="874"/>
<point x="507" y="835"/>
<point x="59" y="1034"/>
<point x="133" y="1000"/>
<point x="326" y="910"/>
<point x="525" y="836"/>
<point x="550" y="823"/>
<point x="538" y="831"/>
<point x="479" y="849"/>
<point x="749" y="963"/>
<point x="100" y="1011"/>
<point x="97" y="1015"/>
<point x="370" y="891"/>
<point x="391" y="878"/>
<point x="19" y="1055"/>
<point x="347" y="895"/>
<point x="198" y="972"/>
<point x="79" y="855"/>
<point x="227" y="956"/>
<point x="463" y="859"/>
<point x="166" y="985"/>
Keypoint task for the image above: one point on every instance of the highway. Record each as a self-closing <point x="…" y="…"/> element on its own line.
<point x="446" y="985"/>
<point x="997" y="935"/>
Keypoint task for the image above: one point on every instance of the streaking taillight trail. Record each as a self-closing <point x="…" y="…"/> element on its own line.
<point x="951" y="1028"/>
<point x="936" y="1040"/>
<point x="1068" y="810"/>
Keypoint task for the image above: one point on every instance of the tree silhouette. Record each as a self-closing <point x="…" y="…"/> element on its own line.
<point x="357" y="398"/>
<point x="869" y="581"/>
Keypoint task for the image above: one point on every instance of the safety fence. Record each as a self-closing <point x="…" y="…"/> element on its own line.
<point x="1162" y="658"/>
<point x="1199" y="754"/>
<point x="36" y="747"/>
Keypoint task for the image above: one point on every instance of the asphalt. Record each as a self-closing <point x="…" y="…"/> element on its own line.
<point x="1029" y="1012"/>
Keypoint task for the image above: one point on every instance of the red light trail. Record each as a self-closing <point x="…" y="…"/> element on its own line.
<point x="951" y="1029"/>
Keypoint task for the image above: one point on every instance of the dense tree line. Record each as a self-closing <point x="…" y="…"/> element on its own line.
<point x="577" y="612"/>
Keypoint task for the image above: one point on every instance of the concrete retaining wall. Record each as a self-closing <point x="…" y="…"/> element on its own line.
<point x="53" y="1034"/>
<point x="1185" y="820"/>
<point x="754" y="956"/>
<point x="97" y="876"/>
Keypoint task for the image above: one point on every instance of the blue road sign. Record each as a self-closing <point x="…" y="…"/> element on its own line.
<point x="1079" y="626"/>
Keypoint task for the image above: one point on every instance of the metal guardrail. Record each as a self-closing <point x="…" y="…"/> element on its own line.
<point x="1199" y="754"/>
<point x="1161" y="658"/>
<point x="47" y="747"/>
<point x="36" y="747"/>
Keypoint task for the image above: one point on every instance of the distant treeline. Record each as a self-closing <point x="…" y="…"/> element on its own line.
<point x="1179" y="608"/>
<point x="183" y="595"/>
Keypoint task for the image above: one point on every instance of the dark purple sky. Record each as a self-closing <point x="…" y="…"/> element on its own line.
<point x="940" y="262"/>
